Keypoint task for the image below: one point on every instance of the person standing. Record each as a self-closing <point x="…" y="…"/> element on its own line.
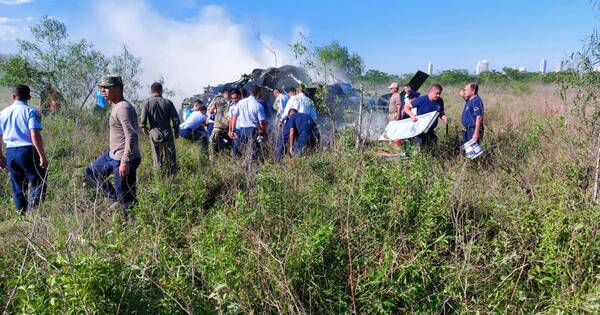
<point x="395" y="103"/>
<point x="25" y="159"/>
<point x="161" y="122"/>
<point x="219" y="135"/>
<point x="123" y="157"/>
<point x="427" y="104"/>
<point x="248" y="122"/>
<point x="472" y="115"/>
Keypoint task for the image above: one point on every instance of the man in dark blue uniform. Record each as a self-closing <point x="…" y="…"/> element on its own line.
<point x="427" y="104"/>
<point x="303" y="132"/>
<point x="472" y="115"/>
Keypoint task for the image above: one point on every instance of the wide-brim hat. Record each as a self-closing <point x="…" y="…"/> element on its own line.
<point x="393" y="86"/>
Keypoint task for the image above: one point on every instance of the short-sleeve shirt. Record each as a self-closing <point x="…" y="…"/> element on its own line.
<point x="249" y="112"/>
<point x="303" y="104"/>
<point x="395" y="101"/>
<point x="16" y="121"/>
<point x="473" y="108"/>
<point x="303" y="124"/>
<point x="424" y="105"/>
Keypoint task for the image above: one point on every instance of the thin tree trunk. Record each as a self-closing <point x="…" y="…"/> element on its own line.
<point x="360" y="118"/>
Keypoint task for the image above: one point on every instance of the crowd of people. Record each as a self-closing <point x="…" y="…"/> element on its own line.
<point x="235" y="122"/>
<point x="412" y="104"/>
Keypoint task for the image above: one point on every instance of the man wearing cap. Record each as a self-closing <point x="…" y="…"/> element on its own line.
<point x="219" y="107"/>
<point x="472" y="115"/>
<point x="395" y="103"/>
<point x="25" y="159"/>
<point x="248" y="122"/>
<point x="426" y="104"/>
<point x="161" y="122"/>
<point x="123" y="157"/>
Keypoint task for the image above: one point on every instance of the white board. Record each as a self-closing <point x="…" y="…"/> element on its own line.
<point x="406" y="128"/>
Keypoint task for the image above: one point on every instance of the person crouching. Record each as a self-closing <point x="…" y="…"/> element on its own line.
<point x="194" y="127"/>
<point x="303" y="133"/>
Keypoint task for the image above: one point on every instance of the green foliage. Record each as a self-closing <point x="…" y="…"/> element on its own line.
<point x="335" y="232"/>
<point x="336" y="56"/>
<point x="51" y="63"/>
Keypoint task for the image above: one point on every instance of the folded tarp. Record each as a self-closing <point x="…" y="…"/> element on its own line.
<point x="406" y="128"/>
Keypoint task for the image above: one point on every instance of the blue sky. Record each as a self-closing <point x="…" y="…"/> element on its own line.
<point x="392" y="36"/>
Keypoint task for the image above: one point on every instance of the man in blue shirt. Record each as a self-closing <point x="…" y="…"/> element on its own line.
<point x="303" y="133"/>
<point x="25" y="157"/>
<point x="248" y="125"/>
<point x="472" y="115"/>
<point x="427" y="104"/>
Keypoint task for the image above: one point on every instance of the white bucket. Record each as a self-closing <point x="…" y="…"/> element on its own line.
<point x="472" y="149"/>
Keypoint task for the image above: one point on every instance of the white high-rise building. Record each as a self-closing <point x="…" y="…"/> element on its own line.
<point x="482" y="66"/>
<point x="559" y="66"/>
<point x="430" y="68"/>
<point x="543" y="66"/>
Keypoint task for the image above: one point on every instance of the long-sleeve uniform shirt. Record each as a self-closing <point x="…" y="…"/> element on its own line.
<point x="159" y="112"/>
<point x="123" y="133"/>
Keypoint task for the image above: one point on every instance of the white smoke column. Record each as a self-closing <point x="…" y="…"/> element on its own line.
<point x="189" y="54"/>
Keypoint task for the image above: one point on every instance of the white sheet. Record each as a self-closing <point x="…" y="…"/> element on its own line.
<point x="406" y="128"/>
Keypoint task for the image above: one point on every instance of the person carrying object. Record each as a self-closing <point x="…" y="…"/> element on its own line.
<point x="472" y="115"/>
<point x="427" y="104"/>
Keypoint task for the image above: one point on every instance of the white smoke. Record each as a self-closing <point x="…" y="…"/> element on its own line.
<point x="190" y="54"/>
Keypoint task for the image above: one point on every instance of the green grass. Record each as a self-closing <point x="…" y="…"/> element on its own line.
<point x="340" y="231"/>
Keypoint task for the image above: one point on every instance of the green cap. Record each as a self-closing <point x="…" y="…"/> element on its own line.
<point x="301" y="85"/>
<point x="109" y="80"/>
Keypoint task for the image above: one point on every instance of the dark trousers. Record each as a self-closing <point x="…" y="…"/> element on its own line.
<point x="124" y="189"/>
<point x="246" y="143"/>
<point x="306" y="141"/>
<point x="427" y="139"/>
<point x="26" y="174"/>
<point x="467" y="134"/>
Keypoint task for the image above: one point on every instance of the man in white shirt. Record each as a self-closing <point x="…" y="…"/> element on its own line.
<point x="193" y="128"/>
<point x="301" y="103"/>
<point x="248" y="123"/>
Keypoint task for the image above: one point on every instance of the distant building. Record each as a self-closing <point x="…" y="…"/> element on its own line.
<point x="543" y="66"/>
<point x="482" y="66"/>
<point x="522" y="69"/>
<point x="430" y="68"/>
<point x="559" y="66"/>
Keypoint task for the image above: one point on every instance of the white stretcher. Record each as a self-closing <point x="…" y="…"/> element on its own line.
<point x="406" y="128"/>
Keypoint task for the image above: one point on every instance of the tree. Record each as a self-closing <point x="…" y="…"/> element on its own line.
<point x="57" y="69"/>
<point x="336" y="57"/>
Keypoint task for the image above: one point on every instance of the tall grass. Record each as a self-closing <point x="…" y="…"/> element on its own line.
<point x="340" y="231"/>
